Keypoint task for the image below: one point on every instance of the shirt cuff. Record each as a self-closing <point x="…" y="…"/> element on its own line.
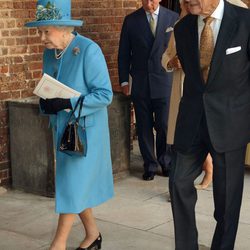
<point x="124" y="84"/>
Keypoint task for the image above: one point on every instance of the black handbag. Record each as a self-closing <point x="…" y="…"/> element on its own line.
<point x="74" y="139"/>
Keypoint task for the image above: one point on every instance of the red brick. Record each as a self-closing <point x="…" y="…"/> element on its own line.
<point x="10" y="24"/>
<point x="5" y="95"/>
<point x="33" y="49"/>
<point x="3" y="118"/>
<point x="30" y="5"/>
<point x="19" y="5"/>
<point x="34" y="40"/>
<point x="4" y="14"/>
<point x="6" y="5"/>
<point x="3" y="51"/>
<point x="5" y="33"/>
<point x="32" y="31"/>
<point x="21" y="41"/>
<point x="20" y="23"/>
<point x="4" y="174"/>
<point x="15" y="68"/>
<point x="10" y="42"/>
<point x="16" y="94"/>
<point x="3" y="106"/>
<point x="26" y="93"/>
<point x="19" y="14"/>
<point x="18" y="50"/>
<point x="19" y="32"/>
<point x="4" y="69"/>
<point x="17" y="59"/>
<point x="37" y="74"/>
<point x="1" y="24"/>
<point x="35" y="66"/>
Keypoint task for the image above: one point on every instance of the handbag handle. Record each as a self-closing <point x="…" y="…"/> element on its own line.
<point x="79" y="102"/>
<point x="80" y="110"/>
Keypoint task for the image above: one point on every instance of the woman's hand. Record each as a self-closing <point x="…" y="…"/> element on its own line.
<point x="174" y="63"/>
<point x="54" y="105"/>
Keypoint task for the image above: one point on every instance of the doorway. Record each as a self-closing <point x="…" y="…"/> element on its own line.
<point x="171" y="4"/>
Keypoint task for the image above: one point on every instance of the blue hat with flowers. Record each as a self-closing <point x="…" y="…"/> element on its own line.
<point x="54" y="13"/>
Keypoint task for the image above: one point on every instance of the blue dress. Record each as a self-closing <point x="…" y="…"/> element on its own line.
<point x="83" y="182"/>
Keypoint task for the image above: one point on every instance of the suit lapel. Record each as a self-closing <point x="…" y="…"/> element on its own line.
<point x="226" y="33"/>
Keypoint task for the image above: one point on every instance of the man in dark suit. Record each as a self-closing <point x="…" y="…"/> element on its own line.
<point x="144" y="38"/>
<point x="214" y="116"/>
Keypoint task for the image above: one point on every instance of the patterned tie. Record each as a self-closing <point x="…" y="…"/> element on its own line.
<point x="206" y="47"/>
<point x="152" y="24"/>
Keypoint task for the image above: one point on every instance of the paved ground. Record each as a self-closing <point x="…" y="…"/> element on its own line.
<point x="138" y="218"/>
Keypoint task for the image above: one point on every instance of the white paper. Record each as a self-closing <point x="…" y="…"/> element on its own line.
<point x="48" y="87"/>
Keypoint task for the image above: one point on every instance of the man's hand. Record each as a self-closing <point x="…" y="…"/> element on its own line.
<point x="125" y="90"/>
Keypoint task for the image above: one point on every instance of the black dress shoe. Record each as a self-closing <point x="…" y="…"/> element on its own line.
<point x="165" y="172"/>
<point x="95" y="245"/>
<point x="148" y="176"/>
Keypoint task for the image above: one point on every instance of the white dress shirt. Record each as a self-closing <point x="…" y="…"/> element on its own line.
<point x="155" y="15"/>
<point x="215" y="24"/>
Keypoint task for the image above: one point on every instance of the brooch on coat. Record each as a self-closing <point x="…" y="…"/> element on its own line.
<point x="76" y="51"/>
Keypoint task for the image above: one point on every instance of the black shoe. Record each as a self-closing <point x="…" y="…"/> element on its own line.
<point x="165" y="172"/>
<point x="95" y="245"/>
<point x="148" y="176"/>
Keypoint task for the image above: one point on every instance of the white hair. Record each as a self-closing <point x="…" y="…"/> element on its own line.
<point x="66" y="28"/>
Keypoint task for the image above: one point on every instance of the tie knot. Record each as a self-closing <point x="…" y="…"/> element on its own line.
<point x="208" y="20"/>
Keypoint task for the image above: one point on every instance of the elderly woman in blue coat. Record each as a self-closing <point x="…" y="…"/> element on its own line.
<point x="81" y="182"/>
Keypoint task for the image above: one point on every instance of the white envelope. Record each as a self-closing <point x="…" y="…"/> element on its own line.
<point x="233" y="50"/>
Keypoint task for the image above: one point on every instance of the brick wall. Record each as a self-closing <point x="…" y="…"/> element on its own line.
<point x="21" y="52"/>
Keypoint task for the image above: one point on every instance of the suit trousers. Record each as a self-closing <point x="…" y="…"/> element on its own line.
<point x="228" y="176"/>
<point x="152" y="113"/>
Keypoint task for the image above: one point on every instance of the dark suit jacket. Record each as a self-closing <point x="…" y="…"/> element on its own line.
<point x="225" y="98"/>
<point x="140" y="53"/>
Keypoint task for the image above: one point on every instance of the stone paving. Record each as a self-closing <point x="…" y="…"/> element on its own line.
<point x="138" y="218"/>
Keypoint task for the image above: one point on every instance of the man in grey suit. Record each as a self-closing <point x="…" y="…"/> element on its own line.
<point x="214" y="117"/>
<point x="144" y="38"/>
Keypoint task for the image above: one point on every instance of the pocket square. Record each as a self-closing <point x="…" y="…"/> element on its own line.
<point x="233" y="50"/>
<point x="169" y="29"/>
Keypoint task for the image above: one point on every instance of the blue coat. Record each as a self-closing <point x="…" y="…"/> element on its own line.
<point x="83" y="182"/>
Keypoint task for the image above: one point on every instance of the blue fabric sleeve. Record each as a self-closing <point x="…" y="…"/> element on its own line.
<point x="97" y="80"/>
